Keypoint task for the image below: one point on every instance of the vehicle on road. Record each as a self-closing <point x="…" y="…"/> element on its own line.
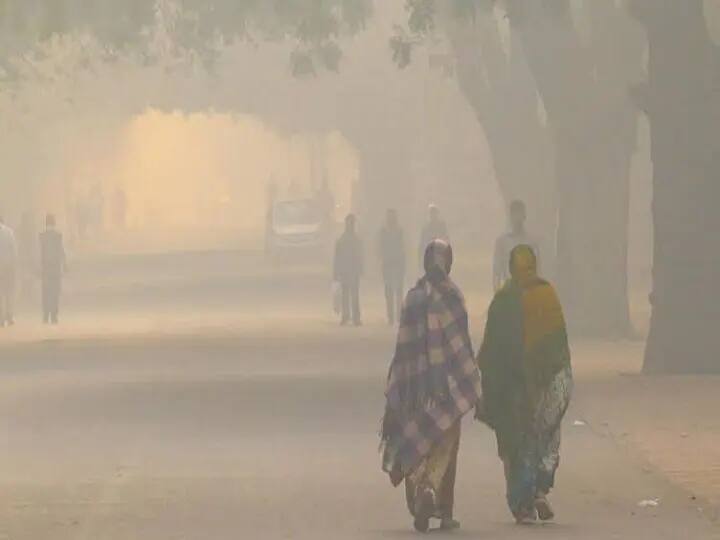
<point x="296" y="226"/>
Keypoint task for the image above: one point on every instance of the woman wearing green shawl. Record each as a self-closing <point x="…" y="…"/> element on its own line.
<point x="527" y="383"/>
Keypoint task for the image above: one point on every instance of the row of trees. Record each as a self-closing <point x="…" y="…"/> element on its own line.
<point x="587" y="64"/>
<point x="556" y="111"/>
<point x="557" y="86"/>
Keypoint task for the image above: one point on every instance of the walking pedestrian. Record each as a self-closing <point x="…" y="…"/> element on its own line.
<point x="433" y="382"/>
<point x="527" y="384"/>
<point x="52" y="267"/>
<point x="391" y="243"/>
<point x="516" y="236"/>
<point x="8" y="269"/>
<point x="434" y="229"/>
<point x="348" y="269"/>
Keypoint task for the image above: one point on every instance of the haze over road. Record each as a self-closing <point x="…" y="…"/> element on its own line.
<point x="214" y="397"/>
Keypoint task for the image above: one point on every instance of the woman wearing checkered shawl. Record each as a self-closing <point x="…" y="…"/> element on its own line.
<point x="527" y="384"/>
<point x="433" y="382"/>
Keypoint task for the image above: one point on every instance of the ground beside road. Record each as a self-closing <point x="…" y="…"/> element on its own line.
<point x="669" y="423"/>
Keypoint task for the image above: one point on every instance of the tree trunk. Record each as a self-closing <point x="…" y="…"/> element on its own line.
<point x="683" y="105"/>
<point x="594" y="132"/>
<point x="502" y="92"/>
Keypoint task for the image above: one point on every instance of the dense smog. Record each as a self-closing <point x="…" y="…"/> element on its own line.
<point x="359" y="269"/>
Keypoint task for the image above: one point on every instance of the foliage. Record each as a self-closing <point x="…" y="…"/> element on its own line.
<point x="421" y="16"/>
<point x="402" y="45"/>
<point x="422" y="21"/>
<point x="194" y="27"/>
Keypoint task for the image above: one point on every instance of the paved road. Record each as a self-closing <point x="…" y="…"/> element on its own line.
<point x="260" y="427"/>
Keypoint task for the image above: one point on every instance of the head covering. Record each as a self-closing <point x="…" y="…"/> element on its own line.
<point x="523" y="265"/>
<point x="438" y="261"/>
<point x="433" y="380"/>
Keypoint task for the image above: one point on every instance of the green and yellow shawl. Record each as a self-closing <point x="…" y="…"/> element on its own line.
<point x="524" y="350"/>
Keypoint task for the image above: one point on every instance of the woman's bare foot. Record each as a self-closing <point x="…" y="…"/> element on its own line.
<point x="449" y="524"/>
<point x="526" y="517"/>
<point x="544" y="509"/>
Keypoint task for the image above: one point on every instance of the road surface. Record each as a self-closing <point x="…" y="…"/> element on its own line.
<point x="218" y="401"/>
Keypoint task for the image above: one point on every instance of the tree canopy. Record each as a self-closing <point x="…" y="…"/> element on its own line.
<point x="196" y="27"/>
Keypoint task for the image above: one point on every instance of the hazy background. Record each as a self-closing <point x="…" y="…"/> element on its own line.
<point x="199" y="388"/>
<point x="194" y="149"/>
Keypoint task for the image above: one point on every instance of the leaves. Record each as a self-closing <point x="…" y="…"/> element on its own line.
<point x="422" y="21"/>
<point x="467" y="9"/>
<point x="356" y="14"/>
<point x="302" y="64"/>
<point x="421" y="16"/>
<point x="199" y="26"/>
<point x="402" y="49"/>
<point x="330" y="54"/>
<point x="304" y="61"/>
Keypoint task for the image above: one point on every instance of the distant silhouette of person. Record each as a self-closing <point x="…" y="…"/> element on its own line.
<point x="393" y="260"/>
<point x="52" y="267"/>
<point x="517" y="236"/>
<point x="348" y="269"/>
<point x="434" y="229"/>
<point x="27" y="237"/>
<point x="8" y="264"/>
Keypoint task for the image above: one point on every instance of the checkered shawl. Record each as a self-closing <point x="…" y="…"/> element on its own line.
<point x="433" y="379"/>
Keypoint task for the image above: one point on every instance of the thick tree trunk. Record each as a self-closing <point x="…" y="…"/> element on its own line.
<point x="501" y="90"/>
<point x="594" y="131"/>
<point x="683" y="105"/>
